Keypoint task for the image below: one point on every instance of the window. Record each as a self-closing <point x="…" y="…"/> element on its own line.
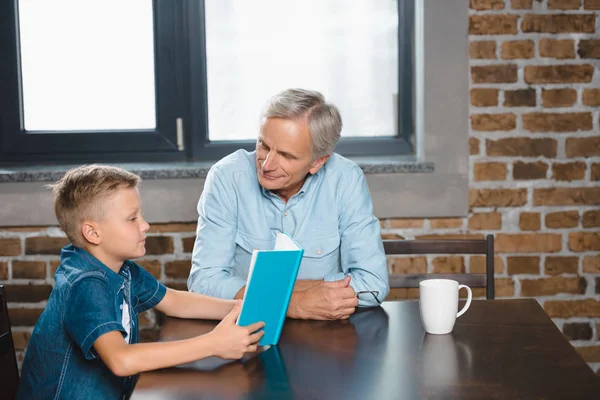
<point x="166" y="80"/>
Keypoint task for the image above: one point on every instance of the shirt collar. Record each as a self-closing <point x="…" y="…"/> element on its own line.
<point x="77" y="259"/>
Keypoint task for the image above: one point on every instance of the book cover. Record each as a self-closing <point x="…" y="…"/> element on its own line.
<point x="271" y="280"/>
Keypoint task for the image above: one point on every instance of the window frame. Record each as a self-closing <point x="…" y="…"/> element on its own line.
<point x="181" y="81"/>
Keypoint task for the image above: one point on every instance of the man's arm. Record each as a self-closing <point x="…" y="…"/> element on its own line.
<point x="300" y="286"/>
<point x="181" y="304"/>
<point x="361" y="248"/>
<point x="212" y="272"/>
<point x="227" y="341"/>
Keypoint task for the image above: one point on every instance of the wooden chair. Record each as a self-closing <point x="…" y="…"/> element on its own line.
<point x="8" y="359"/>
<point x="468" y="246"/>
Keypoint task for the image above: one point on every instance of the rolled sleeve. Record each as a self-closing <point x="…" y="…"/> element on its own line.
<point x="361" y="249"/>
<point x="89" y="313"/>
<point x="213" y="272"/>
<point x="147" y="289"/>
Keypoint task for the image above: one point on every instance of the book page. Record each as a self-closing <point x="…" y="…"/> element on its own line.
<point x="284" y="242"/>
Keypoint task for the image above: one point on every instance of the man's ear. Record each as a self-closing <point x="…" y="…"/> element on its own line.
<point x="316" y="165"/>
<point x="91" y="233"/>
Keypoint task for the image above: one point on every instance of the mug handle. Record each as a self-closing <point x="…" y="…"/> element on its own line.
<point x="469" y="298"/>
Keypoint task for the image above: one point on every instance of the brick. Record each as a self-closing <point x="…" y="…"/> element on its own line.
<point x="21" y="339"/>
<point x="591" y="5"/>
<point x="177" y="285"/>
<point x="552" y="286"/>
<point x="491" y="171"/>
<point x="558" y="97"/>
<point x="577" y="331"/>
<point x="521" y="4"/>
<point x="557" y="122"/>
<point x="504" y="287"/>
<point x="485" y="221"/>
<point x="498" y="24"/>
<point x="45" y="245"/>
<point x="528" y="243"/>
<point x="403" y="294"/>
<point x="591" y="97"/>
<point x="568" y="171"/>
<point x="408" y="265"/>
<point x="503" y="73"/>
<point x="557" y="48"/>
<point x="566" y="196"/>
<point x="572" y="308"/>
<point x="519" y="98"/>
<point x="497" y="197"/>
<point x="53" y="267"/>
<point x="584" y="241"/>
<point x="179" y="227"/>
<point x="591" y="219"/>
<point x="482" y="49"/>
<point x="3" y="271"/>
<point x="583" y="147"/>
<point x="10" y="247"/>
<point x="591" y="265"/>
<point x="159" y="245"/>
<point x="151" y="266"/>
<point x="486" y="4"/>
<point x="477" y="265"/>
<point x="484" y="97"/>
<point x="27" y="293"/>
<point x="29" y="269"/>
<point x="521" y="147"/>
<point x="589" y="353"/>
<point x="589" y="48"/>
<point x="557" y="265"/>
<point x="523" y="265"/>
<point x="595" y="172"/>
<point x="564" y="4"/>
<point x="448" y="265"/>
<point x="178" y="269"/>
<point x="396" y="223"/>
<point x="526" y="171"/>
<point x="562" y="219"/>
<point x="529" y="221"/>
<point x="188" y="244"/>
<point x="581" y="73"/>
<point x="558" y="23"/>
<point x="494" y="122"/>
<point x="473" y="146"/>
<point x="445" y="223"/>
<point x="24" y="316"/>
<point x="516" y="49"/>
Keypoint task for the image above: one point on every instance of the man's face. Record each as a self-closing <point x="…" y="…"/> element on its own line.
<point x="283" y="156"/>
<point x="122" y="226"/>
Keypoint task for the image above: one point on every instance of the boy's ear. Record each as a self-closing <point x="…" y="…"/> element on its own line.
<point x="90" y="232"/>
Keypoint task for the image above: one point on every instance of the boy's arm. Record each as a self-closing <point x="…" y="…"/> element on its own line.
<point x="227" y="340"/>
<point x="181" y="304"/>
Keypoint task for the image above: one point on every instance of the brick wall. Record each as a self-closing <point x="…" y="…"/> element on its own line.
<point x="535" y="179"/>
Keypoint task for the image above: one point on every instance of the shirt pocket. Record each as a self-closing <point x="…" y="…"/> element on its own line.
<point x="245" y="245"/>
<point x="321" y="257"/>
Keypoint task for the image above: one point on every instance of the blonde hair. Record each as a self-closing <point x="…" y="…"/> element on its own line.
<point x="79" y="194"/>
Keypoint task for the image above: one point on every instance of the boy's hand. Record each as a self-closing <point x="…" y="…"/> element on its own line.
<point x="232" y="341"/>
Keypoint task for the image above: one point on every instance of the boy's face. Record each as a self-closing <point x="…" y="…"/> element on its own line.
<point x="122" y="228"/>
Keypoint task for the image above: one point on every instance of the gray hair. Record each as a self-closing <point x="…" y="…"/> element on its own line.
<point x="324" y="120"/>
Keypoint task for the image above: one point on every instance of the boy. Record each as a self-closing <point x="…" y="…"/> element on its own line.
<point x="85" y="343"/>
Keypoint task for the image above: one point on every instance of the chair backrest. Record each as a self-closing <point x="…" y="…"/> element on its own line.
<point x="463" y="246"/>
<point x="8" y="358"/>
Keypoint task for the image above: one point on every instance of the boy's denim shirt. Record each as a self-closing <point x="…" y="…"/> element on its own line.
<point x="86" y="302"/>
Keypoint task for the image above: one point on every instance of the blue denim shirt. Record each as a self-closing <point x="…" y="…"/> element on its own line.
<point x="86" y="302"/>
<point x="331" y="217"/>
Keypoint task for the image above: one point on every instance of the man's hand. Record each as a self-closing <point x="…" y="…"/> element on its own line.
<point x="325" y="301"/>
<point x="232" y="341"/>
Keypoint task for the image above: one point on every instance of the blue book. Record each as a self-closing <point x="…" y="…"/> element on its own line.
<point x="271" y="280"/>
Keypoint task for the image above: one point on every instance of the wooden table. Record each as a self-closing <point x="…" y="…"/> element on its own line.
<point x="498" y="349"/>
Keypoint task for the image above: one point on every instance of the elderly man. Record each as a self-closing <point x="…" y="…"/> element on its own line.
<point x="293" y="182"/>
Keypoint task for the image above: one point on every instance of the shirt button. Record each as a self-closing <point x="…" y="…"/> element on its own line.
<point x="285" y="214"/>
<point x="121" y="306"/>
<point x="319" y="252"/>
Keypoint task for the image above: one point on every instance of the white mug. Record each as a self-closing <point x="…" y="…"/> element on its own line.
<point x="438" y="301"/>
